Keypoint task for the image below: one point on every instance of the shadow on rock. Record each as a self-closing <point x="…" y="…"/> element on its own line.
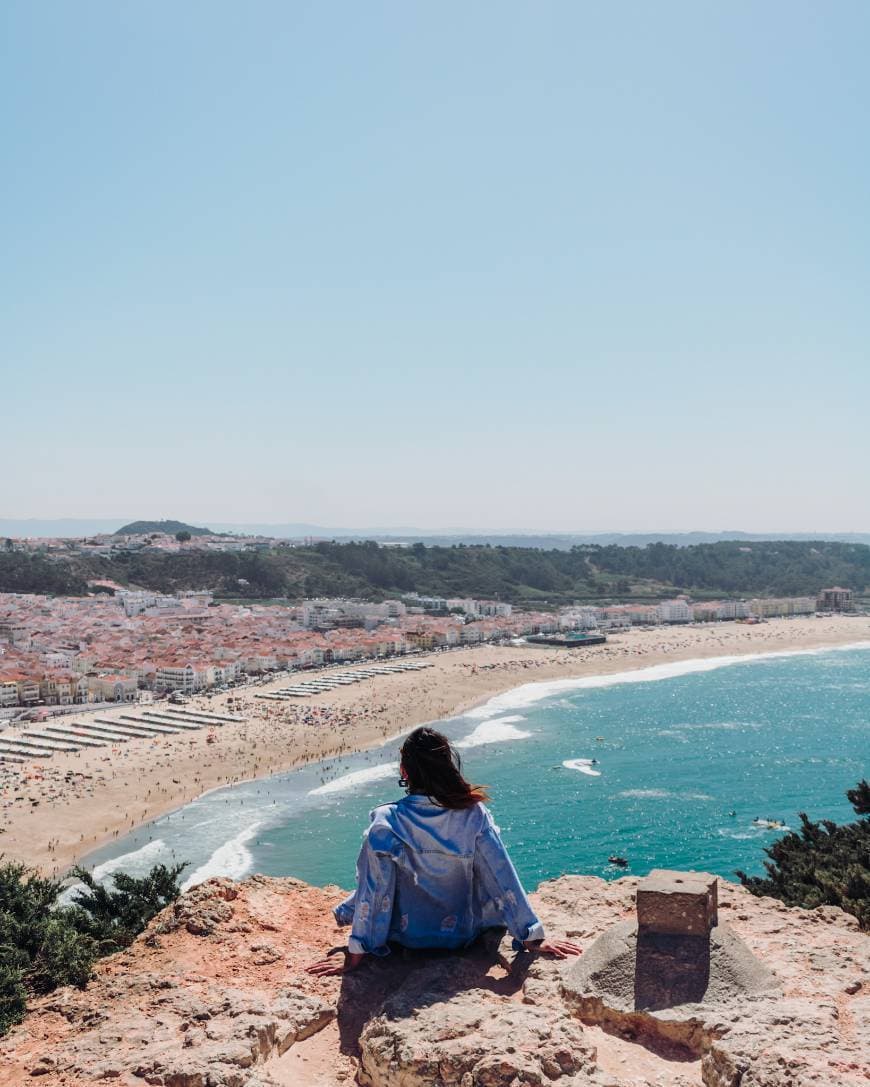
<point x="670" y="970"/>
<point x="406" y="982"/>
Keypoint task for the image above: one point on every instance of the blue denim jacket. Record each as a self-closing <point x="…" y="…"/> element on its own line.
<point x="429" y="876"/>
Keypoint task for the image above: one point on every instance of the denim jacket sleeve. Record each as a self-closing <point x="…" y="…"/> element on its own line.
<point x="501" y="883"/>
<point x="369" y="910"/>
<point x="343" y="912"/>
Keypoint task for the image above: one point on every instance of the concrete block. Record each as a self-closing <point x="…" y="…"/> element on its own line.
<point x="678" y="903"/>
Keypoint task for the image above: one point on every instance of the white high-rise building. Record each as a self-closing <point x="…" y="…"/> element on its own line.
<point x="675" y="611"/>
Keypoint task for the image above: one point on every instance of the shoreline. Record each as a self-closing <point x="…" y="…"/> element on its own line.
<point x="57" y="812"/>
<point x="612" y="679"/>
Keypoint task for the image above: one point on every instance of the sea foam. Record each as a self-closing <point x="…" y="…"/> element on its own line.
<point x="529" y="693"/>
<point x="356" y="778"/>
<point x="233" y="859"/>
<point x="495" y="731"/>
<point x="583" y="765"/>
<point x="135" y="863"/>
<point x="661" y="794"/>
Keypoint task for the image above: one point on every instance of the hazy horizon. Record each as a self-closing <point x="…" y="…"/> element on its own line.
<point x="226" y="524"/>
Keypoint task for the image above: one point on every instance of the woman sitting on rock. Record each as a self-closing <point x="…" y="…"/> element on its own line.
<point x="432" y="871"/>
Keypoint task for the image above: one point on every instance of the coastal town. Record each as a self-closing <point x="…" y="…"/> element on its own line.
<point x="117" y="645"/>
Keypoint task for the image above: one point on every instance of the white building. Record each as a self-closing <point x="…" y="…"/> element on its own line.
<point x="138" y="603"/>
<point x="674" y="611"/>
<point x="8" y="692"/>
<point x="777" y="606"/>
<point x="111" y="688"/>
<point x="481" y="609"/>
<point x="184" y="677"/>
<point x="196" y="598"/>
<point x="578" y="618"/>
<point x="614" y="617"/>
<point x="57" y="659"/>
<point x="732" y="609"/>
<point x="134" y="603"/>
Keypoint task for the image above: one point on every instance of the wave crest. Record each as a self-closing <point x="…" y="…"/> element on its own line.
<point x="135" y="863"/>
<point x="583" y="765"/>
<point x="496" y="731"/>
<point x="232" y="859"/>
<point x="662" y="794"/>
<point x="529" y="693"/>
<point x="356" y="778"/>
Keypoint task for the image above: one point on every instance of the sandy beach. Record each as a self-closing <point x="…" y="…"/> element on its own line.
<point x="55" y="811"/>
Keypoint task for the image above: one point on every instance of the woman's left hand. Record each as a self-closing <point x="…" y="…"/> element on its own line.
<point x="328" y="968"/>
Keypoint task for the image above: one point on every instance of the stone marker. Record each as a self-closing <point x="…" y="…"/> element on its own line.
<point x="677" y="903"/>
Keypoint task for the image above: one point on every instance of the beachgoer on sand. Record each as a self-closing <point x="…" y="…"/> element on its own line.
<point x="432" y="871"/>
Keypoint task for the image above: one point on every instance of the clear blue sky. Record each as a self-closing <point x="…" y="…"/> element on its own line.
<point x="493" y="265"/>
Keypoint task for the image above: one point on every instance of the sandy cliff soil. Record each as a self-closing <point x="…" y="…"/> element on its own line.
<point x="214" y="995"/>
<point x="55" y="811"/>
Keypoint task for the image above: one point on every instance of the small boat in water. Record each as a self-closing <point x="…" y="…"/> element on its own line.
<point x="769" y="824"/>
<point x="620" y="862"/>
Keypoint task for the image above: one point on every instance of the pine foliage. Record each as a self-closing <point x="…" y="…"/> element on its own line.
<point x="44" y="945"/>
<point x="113" y="914"/>
<point x="822" y="864"/>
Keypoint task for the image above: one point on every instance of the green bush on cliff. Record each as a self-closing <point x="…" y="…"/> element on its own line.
<point x="13" y="995"/>
<point x="822" y="864"/>
<point x="43" y="945"/>
<point x="114" y="914"/>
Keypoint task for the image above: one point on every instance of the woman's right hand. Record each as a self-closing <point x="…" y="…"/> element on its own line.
<point x="559" y="949"/>
<point x="328" y="968"/>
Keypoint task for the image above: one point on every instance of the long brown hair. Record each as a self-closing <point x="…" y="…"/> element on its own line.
<point x="432" y="766"/>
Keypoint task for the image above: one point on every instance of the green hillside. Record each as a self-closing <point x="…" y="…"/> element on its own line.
<point x="142" y="528"/>
<point x="524" y="576"/>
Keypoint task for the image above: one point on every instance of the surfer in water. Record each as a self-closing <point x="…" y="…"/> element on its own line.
<point x="433" y="872"/>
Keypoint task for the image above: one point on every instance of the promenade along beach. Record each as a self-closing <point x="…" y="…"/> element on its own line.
<point x="58" y="811"/>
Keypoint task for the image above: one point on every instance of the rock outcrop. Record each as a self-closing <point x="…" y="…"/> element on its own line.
<point x="214" y="994"/>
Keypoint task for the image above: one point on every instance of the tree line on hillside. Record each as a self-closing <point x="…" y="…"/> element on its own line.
<point x="21" y="572"/>
<point x="520" y="575"/>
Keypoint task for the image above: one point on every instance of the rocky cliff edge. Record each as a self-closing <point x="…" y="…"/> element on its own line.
<point x="214" y="994"/>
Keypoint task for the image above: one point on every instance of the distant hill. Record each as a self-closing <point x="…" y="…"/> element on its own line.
<point x="141" y="528"/>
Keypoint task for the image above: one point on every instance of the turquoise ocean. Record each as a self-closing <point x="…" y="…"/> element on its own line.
<point x="678" y="748"/>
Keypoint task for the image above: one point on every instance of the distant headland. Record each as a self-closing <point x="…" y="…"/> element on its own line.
<point x="168" y="528"/>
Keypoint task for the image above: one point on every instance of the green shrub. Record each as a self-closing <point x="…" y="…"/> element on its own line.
<point x="13" y="995"/>
<point x="43" y="945"/>
<point x="822" y="864"/>
<point x="114" y="914"/>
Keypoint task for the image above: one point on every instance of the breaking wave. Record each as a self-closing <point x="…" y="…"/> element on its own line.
<point x="233" y="859"/>
<point x="583" y="765"/>
<point x="136" y="863"/>
<point x="356" y="778"/>
<point x="662" y="794"/>
<point x="530" y="693"/>
<point x="494" y="732"/>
